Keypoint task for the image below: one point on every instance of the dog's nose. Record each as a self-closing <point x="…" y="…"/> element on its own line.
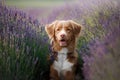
<point x="62" y="35"/>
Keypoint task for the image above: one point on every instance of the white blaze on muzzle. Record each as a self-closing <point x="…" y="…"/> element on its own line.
<point x="62" y="37"/>
<point x="63" y="32"/>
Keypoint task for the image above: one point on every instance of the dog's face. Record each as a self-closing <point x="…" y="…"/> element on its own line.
<point x="63" y="32"/>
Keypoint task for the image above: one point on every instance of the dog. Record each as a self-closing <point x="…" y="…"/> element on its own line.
<point x="63" y="35"/>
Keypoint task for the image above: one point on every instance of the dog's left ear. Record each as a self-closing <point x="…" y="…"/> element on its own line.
<point x="76" y="28"/>
<point x="50" y="29"/>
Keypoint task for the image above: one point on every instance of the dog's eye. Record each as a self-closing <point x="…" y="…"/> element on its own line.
<point x="58" y="29"/>
<point x="68" y="30"/>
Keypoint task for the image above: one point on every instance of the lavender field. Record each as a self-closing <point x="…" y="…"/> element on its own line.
<point x="24" y="45"/>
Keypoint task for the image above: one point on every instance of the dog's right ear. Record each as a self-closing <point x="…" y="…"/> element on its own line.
<point x="50" y="29"/>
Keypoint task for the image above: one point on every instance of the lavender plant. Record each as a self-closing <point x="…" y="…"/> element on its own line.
<point x="23" y="46"/>
<point x="103" y="62"/>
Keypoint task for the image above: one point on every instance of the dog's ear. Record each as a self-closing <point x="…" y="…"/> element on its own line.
<point x="49" y="28"/>
<point x="76" y="28"/>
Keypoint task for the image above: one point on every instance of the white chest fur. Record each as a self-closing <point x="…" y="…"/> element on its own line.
<point x="62" y="64"/>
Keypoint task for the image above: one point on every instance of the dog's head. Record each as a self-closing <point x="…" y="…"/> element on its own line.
<point x="63" y="32"/>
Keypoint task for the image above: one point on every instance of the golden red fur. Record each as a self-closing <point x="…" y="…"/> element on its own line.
<point x="63" y="35"/>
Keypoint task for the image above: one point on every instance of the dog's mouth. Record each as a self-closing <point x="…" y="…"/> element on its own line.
<point x="63" y="42"/>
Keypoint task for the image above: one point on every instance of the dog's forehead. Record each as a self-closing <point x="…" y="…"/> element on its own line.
<point x="63" y="24"/>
